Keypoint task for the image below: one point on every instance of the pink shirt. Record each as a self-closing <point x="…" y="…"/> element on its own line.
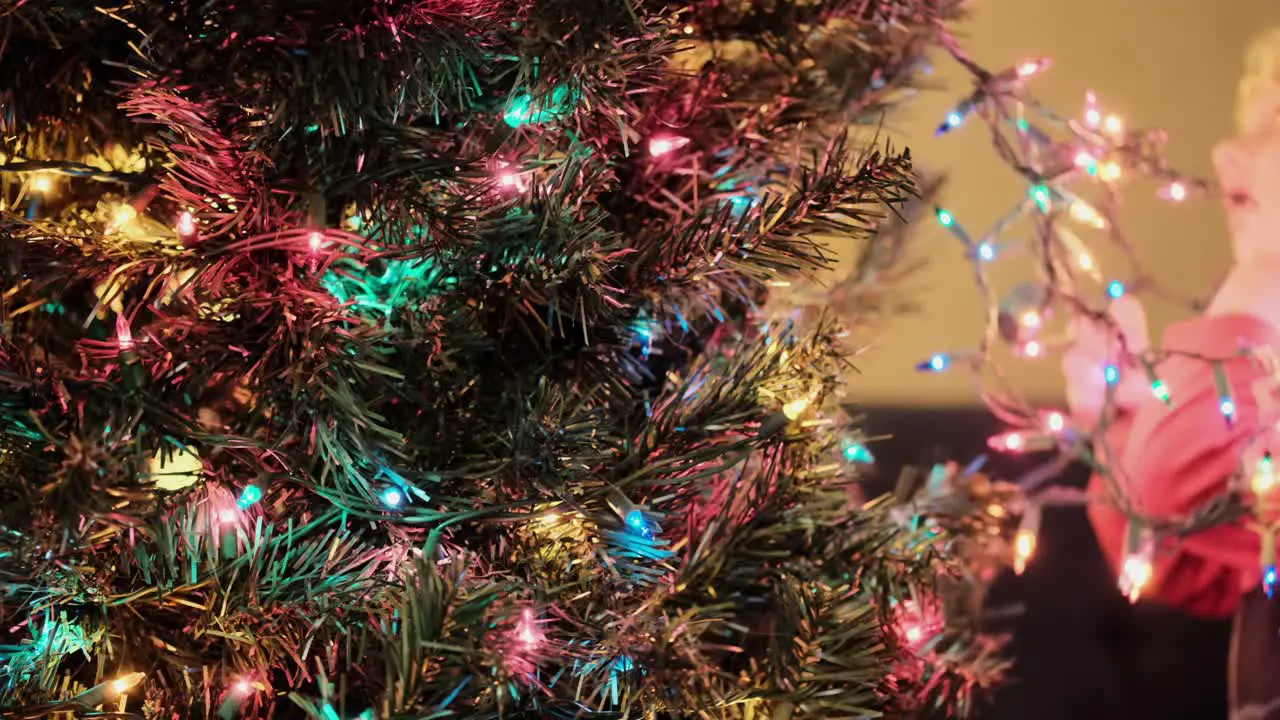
<point x="1173" y="459"/>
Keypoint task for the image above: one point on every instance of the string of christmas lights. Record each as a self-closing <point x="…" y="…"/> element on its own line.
<point x="1076" y="170"/>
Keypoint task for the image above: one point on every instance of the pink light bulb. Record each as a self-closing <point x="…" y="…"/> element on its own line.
<point x="1092" y="116"/>
<point x="1175" y="191"/>
<point x="665" y="144"/>
<point x="1030" y="67"/>
<point x="124" y="335"/>
<point x="527" y="631"/>
<point x="186" y="224"/>
<point x="510" y="180"/>
<point x="315" y="241"/>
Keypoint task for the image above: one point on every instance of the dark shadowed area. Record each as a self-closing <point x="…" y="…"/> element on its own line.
<point x="1083" y="653"/>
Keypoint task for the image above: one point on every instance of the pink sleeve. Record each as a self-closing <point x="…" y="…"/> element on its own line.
<point x="1174" y="459"/>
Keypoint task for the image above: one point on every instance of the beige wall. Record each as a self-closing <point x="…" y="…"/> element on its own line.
<point x="1166" y="63"/>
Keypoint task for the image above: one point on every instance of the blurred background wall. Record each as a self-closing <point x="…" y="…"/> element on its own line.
<point x="1166" y="63"/>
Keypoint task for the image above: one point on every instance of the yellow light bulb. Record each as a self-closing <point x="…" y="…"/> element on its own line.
<point x="121" y="685"/>
<point x="124" y="213"/>
<point x="1135" y="574"/>
<point x="1085" y="261"/>
<point x="795" y="408"/>
<point x="1113" y="125"/>
<point x="41" y="183"/>
<point x="175" y="469"/>
<point x="1109" y="171"/>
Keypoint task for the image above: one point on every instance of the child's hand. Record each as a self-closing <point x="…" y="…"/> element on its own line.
<point x="1096" y="346"/>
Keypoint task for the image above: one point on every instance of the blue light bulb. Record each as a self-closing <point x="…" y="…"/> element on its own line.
<point x="936" y="363"/>
<point x="1115" y="289"/>
<point x="1112" y="374"/>
<point x="392" y="497"/>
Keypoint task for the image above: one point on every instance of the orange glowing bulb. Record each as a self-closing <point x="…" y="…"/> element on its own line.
<point x="1024" y="546"/>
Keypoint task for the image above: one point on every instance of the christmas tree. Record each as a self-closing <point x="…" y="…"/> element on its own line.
<point x="413" y="358"/>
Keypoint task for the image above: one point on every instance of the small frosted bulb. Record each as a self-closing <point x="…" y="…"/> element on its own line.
<point x="1110" y="171"/>
<point x="913" y="633"/>
<point x="1113" y="125"/>
<point x="1031" y="319"/>
<point x="1055" y="422"/>
<point x="315" y="241"/>
<point x="1085" y="261"/>
<point x="242" y="687"/>
<point x="986" y="251"/>
<point x="1033" y="349"/>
